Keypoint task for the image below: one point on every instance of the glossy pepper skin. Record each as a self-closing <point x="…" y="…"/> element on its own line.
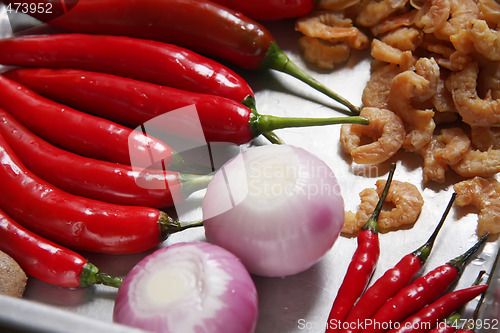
<point x="73" y="221"/>
<point x="202" y="26"/>
<point x="420" y="292"/>
<point x="77" y="131"/>
<point x="270" y="9"/>
<point x="438" y="310"/>
<point x="46" y="260"/>
<point x="134" y="103"/>
<point x="392" y="281"/>
<point x="91" y="178"/>
<point x="140" y="59"/>
<point x="360" y="268"/>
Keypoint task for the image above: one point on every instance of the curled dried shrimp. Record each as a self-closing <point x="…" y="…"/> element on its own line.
<point x="405" y="197"/>
<point x="372" y="12"/>
<point x="433" y="15"/>
<point x="386" y="131"/>
<point x="408" y="87"/>
<point x="323" y="54"/>
<point x="486" y="41"/>
<point x="478" y="163"/>
<point x="447" y="148"/>
<point x="484" y="138"/>
<point x="474" y="110"/>
<point x="484" y="194"/>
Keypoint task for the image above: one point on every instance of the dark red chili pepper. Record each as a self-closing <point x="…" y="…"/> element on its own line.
<point x="429" y="316"/>
<point x="362" y="266"/>
<point x="95" y="179"/>
<point x="133" y="103"/>
<point x="78" y="131"/>
<point x="421" y="292"/>
<point x="74" y="221"/>
<point x="47" y="261"/>
<point x="270" y="9"/>
<point x="144" y="60"/>
<point x="202" y="26"/>
<point x="392" y="281"/>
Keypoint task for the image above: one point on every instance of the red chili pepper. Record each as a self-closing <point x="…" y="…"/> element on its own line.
<point x="202" y="26"/>
<point x="77" y="131"/>
<point x="222" y="119"/>
<point x="362" y="266"/>
<point x="77" y="222"/>
<point x="421" y="292"/>
<point x="270" y="9"/>
<point x="144" y="60"/>
<point x="429" y="316"/>
<point x="47" y="261"/>
<point x="95" y="179"/>
<point x="392" y="281"/>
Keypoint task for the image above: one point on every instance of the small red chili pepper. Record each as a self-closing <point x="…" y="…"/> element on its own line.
<point x="78" y="131"/>
<point x="202" y="26"/>
<point x="429" y="316"/>
<point x="47" y="261"/>
<point x="270" y="9"/>
<point x="95" y="179"/>
<point x="421" y="292"/>
<point x="392" y="281"/>
<point x="362" y="266"/>
<point x="133" y="103"/>
<point x="77" y="222"/>
<point x="140" y="59"/>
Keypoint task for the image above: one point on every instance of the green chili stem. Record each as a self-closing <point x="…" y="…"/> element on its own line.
<point x="273" y="138"/>
<point x="372" y="223"/>
<point x="192" y="183"/>
<point x="90" y="275"/>
<point x="424" y="251"/>
<point x="278" y="60"/>
<point x="266" y="123"/>
<point x="169" y="225"/>
<point x="460" y="261"/>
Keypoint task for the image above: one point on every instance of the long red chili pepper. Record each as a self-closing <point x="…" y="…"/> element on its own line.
<point x="77" y="131"/>
<point x="74" y="221"/>
<point x="429" y="316"/>
<point x="135" y="102"/>
<point x="140" y="59"/>
<point x="47" y="261"/>
<point x="270" y="9"/>
<point x="392" y="281"/>
<point x="362" y="266"/>
<point x="202" y="26"/>
<point x="95" y="179"/>
<point x="421" y="292"/>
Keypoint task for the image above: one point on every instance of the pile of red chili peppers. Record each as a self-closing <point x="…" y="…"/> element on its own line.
<point x="396" y="303"/>
<point x="68" y="123"/>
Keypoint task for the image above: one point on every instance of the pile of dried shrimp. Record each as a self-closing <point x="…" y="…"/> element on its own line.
<point x="435" y="69"/>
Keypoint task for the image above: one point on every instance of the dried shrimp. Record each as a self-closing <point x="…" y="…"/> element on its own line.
<point x="386" y="131"/>
<point x="447" y="148"/>
<point x="323" y="54"/>
<point x="474" y="110"/>
<point x="484" y="194"/>
<point x="405" y="197"/>
<point x="436" y="65"/>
